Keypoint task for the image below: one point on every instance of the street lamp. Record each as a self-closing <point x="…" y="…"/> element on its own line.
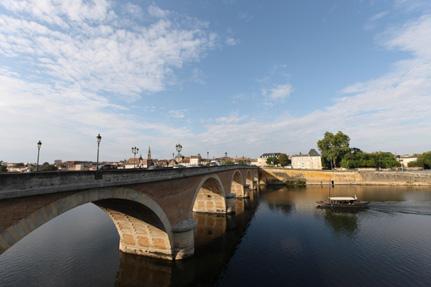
<point x="208" y="155"/>
<point x="179" y="148"/>
<point x="135" y="151"/>
<point x="99" y="139"/>
<point x="39" y="145"/>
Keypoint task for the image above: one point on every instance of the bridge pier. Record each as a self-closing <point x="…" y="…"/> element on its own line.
<point x="230" y="204"/>
<point x="183" y="238"/>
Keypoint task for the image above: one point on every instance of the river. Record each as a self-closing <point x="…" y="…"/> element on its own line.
<point x="276" y="238"/>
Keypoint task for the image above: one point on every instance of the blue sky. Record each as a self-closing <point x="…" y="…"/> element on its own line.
<point x="245" y="77"/>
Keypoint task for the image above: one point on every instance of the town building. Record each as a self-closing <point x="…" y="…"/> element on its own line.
<point x="404" y="160"/>
<point x="133" y="162"/>
<point x="76" y="165"/>
<point x="261" y="161"/>
<point x="312" y="160"/>
<point x="140" y="162"/>
<point x="270" y="154"/>
<point x="195" y="160"/>
<point x="162" y="163"/>
<point x="17" y="167"/>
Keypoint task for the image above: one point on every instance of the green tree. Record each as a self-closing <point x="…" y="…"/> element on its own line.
<point x="424" y="161"/>
<point x="333" y="147"/>
<point x="228" y="162"/>
<point x="353" y="159"/>
<point x="357" y="158"/>
<point x="384" y="160"/>
<point x="272" y="160"/>
<point x="45" y="167"/>
<point x="283" y="159"/>
<point x="3" y="168"/>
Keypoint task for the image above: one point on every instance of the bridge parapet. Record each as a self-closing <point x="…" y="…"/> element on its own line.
<point x="14" y="185"/>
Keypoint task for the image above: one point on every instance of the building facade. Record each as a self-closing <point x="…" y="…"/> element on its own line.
<point x="404" y="160"/>
<point x="312" y="160"/>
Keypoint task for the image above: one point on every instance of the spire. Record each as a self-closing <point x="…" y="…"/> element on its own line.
<point x="149" y="152"/>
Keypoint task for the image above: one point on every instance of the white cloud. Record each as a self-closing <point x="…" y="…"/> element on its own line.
<point x="390" y="112"/>
<point x="373" y="20"/>
<point x="76" y="53"/>
<point x="414" y="39"/>
<point x="80" y="62"/>
<point x="67" y="120"/>
<point x="229" y="119"/>
<point x="92" y="47"/>
<point x="231" y="41"/>
<point x="156" y="11"/>
<point x="278" y="92"/>
<point x="177" y="114"/>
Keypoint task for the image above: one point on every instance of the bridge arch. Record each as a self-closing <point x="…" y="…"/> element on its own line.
<point x="210" y="196"/>
<point x="141" y="223"/>
<point x="237" y="184"/>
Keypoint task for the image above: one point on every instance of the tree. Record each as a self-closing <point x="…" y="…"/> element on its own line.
<point x="424" y="161"/>
<point x="45" y="167"/>
<point x="353" y="159"/>
<point x="283" y="159"/>
<point x="272" y="160"/>
<point x="384" y="160"/>
<point x="228" y="162"/>
<point x="333" y="147"/>
<point x="357" y="158"/>
<point x="3" y="168"/>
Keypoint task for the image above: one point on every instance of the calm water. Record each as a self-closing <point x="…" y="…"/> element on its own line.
<point x="276" y="238"/>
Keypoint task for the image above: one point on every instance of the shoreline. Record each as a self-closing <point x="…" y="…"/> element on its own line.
<point x="346" y="177"/>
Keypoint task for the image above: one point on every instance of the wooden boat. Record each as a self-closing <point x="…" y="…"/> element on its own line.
<point x="342" y="202"/>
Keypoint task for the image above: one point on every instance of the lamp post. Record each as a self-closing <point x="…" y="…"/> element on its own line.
<point x="39" y="145"/>
<point x="179" y="148"/>
<point x="208" y="155"/>
<point x="135" y="151"/>
<point x="98" y="139"/>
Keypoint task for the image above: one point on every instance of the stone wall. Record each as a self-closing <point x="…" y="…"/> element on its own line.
<point x="348" y="177"/>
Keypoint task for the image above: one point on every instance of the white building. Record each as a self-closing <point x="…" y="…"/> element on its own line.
<point x="312" y="160"/>
<point x="404" y="160"/>
<point x="17" y="167"/>
<point x="261" y="161"/>
<point x="77" y="165"/>
<point x="195" y="160"/>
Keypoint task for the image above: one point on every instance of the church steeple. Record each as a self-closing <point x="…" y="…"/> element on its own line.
<point x="149" y="153"/>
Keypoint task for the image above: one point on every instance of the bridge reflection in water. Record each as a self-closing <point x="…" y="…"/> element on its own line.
<point x="216" y="237"/>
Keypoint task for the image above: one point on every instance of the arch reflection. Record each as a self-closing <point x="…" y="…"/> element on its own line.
<point x="216" y="238"/>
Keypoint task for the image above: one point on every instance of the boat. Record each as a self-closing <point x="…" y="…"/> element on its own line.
<point x="342" y="202"/>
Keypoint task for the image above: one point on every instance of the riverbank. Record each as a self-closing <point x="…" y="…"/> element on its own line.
<point x="353" y="177"/>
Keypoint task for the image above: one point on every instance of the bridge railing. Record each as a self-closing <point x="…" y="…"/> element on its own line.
<point x="26" y="184"/>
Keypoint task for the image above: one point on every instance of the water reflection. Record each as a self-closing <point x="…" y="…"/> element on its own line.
<point x="216" y="237"/>
<point x="141" y="271"/>
<point x="277" y="237"/>
<point x="342" y="222"/>
<point x="280" y="199"/>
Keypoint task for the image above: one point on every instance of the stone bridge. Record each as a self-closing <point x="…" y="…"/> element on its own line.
<point x="152" y="210"/>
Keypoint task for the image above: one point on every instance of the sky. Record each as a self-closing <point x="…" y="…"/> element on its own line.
<point x="238" y="76"/>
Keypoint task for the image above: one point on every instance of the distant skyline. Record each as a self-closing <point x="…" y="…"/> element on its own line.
<point x="243" y="77"/>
